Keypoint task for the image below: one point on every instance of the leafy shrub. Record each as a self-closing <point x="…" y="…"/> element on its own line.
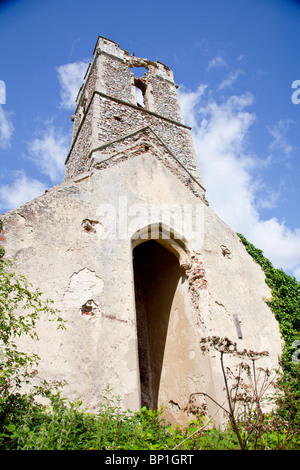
<point x="285" y="300"/>
<point x="285" y="304"/>
<point x="67" y="427"/>
<point x="20" y="309"/>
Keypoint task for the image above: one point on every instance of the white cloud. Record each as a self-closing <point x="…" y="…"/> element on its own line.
<point x="49" y="152"/>
<point x="297" y="273"/>
<point x="221" y="137"/>
<point x="70" y="77"/>
<point x="188" y="102"/>
<point x="279" y="143"/>
<point x="6" y="129"/>
<point x="50" y="149"/>
<point x="21" y="190"/>
<point x="2" y="92"/>
<point x="216" y="62"/>
<point x="269" y="198"/>
<point x="232" y="77"/>
<point x="279" y="242"/>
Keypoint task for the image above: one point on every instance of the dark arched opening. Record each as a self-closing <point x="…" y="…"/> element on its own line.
<point x="156" y="276"/>
<point x="140" y="88"/>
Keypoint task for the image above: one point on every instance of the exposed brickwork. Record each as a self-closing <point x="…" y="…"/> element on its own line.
<point x="112" y="120"/>
<point x="197" y="278"/>
<point x="140" y="142"/>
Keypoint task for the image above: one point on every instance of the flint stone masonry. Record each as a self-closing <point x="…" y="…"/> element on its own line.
<point x="107" y="108"/>
<point x="120" y="119"/>
<point x="139" y="288"/>
<point x="142" y="141"/>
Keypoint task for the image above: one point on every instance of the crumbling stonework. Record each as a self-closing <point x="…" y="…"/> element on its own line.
<point x="129" y="250"/>
<point x="107" y="108"/>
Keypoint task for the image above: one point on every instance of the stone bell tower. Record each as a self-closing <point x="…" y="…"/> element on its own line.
<point x="127" y="247"/>
<point x="107" y="110"/>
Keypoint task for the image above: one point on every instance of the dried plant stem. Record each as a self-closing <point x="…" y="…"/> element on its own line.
<point x="198" y="430"/>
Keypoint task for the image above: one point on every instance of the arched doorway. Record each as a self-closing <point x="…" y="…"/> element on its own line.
<point x="157" y="275"/>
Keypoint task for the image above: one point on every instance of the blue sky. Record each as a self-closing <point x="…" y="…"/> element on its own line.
<point x="235" y="63"/>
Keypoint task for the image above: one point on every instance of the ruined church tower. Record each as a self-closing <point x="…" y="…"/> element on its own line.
<point x="127" y="247"/>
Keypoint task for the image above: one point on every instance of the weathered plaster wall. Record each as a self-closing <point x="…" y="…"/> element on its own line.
<point x="63" y="244"/>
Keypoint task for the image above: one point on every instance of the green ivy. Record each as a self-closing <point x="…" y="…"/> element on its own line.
<point x="285" y="304"/>
<point x="285" y="299"/>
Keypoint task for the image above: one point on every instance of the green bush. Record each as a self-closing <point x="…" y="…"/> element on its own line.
<point x="285" y="304"/>
<point x="67" y="427"/>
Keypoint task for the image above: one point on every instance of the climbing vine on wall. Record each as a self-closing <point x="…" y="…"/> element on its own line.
<point x="284" y="302"/>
